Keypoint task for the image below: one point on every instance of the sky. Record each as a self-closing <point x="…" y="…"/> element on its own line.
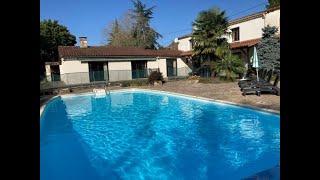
<point x="171" y="18"/>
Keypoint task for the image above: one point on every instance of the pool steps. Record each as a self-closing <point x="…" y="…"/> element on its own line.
<point x="100" y="93"/>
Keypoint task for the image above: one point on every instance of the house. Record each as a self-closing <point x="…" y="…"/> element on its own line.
<point x="245" y="33"/>
<point x="85" y="64"/>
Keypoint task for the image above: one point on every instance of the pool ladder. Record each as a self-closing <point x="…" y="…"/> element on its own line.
<point x="106" y="89"/>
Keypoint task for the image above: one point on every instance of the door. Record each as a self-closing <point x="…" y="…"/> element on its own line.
<point x="55" y="73"/>
<point x="171" y="67"/>
<point x="139" y="69"/>
<point x="96" y="71"/>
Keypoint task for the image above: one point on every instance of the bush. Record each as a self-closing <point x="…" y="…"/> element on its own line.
<point x="125" y="84"/>
<point x="194" y="77"/>
<point x="140" y="82"/>
<point x="155" y="76"/>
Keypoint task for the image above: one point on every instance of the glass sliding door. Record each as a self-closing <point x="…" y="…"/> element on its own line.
<point x="97" y="71"/>
<point x="55" y="73"/>
<point x="139" y="69"/>
<point x="171" y="67"/>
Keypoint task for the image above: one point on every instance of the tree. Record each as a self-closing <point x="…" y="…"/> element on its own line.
<point x="230" y="64"/>
<point x="119" y="33"/>
<point x="273" y="3"/>
<point x="144" y="35"/>
<point x="52" y="35"/>
<point x="134" y="30"/>
<point x="268" y="49"/>
<point x="209" y="30"/>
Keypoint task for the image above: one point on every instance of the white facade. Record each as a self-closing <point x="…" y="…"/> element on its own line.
<point x="76" y="72"/>
<point x="119" y="71"/>
<point x="248" y="29"/>
<point x="184" y="44"/>
<point x="252" y="29"/>
<point x="73" y="66"/>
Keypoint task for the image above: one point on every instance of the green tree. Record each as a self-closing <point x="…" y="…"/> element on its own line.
<point x="231" y="65"/>
<point x="273" y="3"/>
<point x="268" y="49"/>
<point x="119" y="35"/>
<point x="134" y="30"/>
<point x="52" y="35"/>
<point x="144" y="35"/>
<point x="209" y="30"/>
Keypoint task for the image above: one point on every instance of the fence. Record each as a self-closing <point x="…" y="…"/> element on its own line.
<point x="101" y="77"/>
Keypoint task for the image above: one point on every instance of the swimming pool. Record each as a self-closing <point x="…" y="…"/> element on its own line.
<point x="137" y="134"/>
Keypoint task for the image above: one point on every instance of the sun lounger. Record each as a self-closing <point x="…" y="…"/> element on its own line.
<point x="261" y="87"/>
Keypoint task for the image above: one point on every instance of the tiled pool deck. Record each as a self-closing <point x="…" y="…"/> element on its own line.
<point x="229" y="92"/>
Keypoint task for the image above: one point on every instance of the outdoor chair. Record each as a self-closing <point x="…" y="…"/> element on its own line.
<point x="262" y="87"/>
<point x="254" y="82"/>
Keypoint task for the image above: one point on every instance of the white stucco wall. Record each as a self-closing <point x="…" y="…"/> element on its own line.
<point x="184" y="44"/>
<point x="48" y="72"/>
<point x="120" y="71"/>
<point x="273" y="19"/>
<point x="73" y="67"/>
<point x="183" y="68"/>
<point x="74" y="72"/>
<point x="152" y="64"/>
<point x="252" y="29"/>
<point x="163" y="66"/>
<point x="249" y="29"/>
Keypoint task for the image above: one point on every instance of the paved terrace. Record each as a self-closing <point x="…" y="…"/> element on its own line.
<point x="229" y="91"/>
<point x="226" y="91"/>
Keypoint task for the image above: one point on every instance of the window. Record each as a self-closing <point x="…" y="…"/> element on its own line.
<point x="191" y="44"/>
<point x="235" y="34"/>
<point x="139" y="69"/>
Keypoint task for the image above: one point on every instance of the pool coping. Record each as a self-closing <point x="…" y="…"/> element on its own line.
<point x="276" y="112"/>
<point x="215" y="100"/>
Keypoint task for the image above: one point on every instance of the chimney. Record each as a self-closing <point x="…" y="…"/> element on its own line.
<point x="83" y="42"/>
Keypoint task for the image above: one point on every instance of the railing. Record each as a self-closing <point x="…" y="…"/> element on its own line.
<point x="99" y="77"/>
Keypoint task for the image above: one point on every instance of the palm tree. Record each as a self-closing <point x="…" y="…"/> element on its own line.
<point x="209" y="30"/>
<point x="230" y="65"/>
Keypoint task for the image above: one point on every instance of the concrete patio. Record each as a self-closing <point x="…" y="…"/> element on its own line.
<point x="226" y="91"/>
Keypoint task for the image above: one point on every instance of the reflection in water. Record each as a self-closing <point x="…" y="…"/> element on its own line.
<point x="139" y="135"/>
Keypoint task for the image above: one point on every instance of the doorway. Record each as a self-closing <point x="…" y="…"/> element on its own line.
<point x="171" y="67"/>
<point x="97" y="71"/>
<point x="55" y="73"/>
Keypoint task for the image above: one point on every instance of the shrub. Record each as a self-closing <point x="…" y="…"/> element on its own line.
<point x="155" y="76"/>
<point x="125" y="84"/>
<point x="194" y="77"/>
<point x="140" y="82"/>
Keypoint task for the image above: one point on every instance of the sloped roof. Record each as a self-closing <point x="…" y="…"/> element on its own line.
<point x="247" y="43"/>
<point x="252" y="16"/>
<point x="110" y="51"/>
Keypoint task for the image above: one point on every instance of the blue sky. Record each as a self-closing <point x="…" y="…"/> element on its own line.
<point x="172" y="18"/>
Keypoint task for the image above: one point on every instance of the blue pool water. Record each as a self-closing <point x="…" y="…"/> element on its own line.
<point x="146" y="135"/>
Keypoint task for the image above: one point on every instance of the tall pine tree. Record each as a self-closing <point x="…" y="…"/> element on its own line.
<point x="268" y="49"/>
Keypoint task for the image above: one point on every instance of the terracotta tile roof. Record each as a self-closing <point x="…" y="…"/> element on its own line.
<point x="247" y="43"/>
<point x="110" y="51"/>
<point x="185" y="36"/>
<point x="252" y="16"/>
<point x="186" y="53"/>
